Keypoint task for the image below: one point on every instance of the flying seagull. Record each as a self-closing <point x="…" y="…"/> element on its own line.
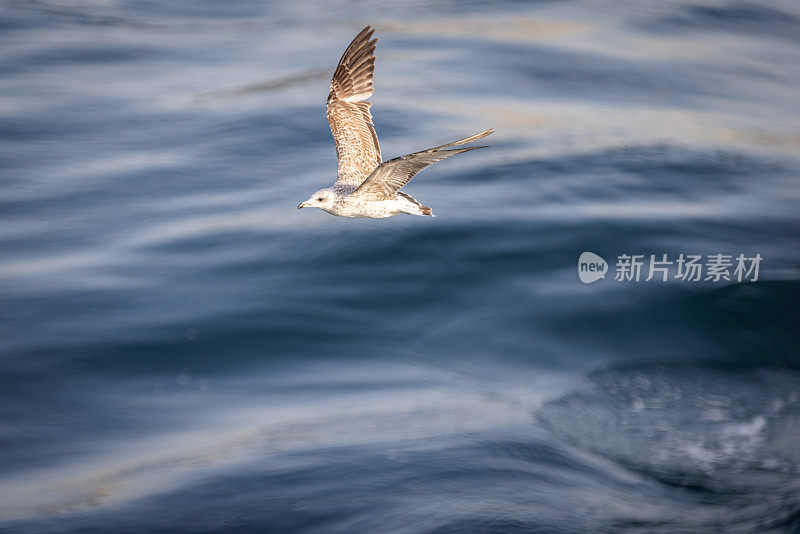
<point x="366" y="186"/>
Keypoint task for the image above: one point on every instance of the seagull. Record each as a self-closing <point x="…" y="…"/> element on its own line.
<point x="365" y="185"/>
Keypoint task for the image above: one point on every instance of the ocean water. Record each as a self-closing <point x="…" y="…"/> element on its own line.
<point x="181" y="350"/>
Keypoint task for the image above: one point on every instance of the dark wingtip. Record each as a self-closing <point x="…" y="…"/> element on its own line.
<point x="367" y="31"/>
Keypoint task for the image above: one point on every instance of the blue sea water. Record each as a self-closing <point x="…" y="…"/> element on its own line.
<point x="181" y="350"/>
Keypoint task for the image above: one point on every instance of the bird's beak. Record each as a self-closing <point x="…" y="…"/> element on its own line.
<point x="302" y="205"/>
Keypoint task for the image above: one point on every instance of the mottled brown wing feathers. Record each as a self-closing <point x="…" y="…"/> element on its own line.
<point x="356" y="142"/>
<point x="390" y="176"/>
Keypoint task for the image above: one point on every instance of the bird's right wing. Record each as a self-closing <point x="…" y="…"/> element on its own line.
<point x="356" y="142"/>
<point x="390" y="176"/>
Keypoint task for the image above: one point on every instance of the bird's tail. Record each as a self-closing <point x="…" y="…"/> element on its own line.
<point x="413" y="207"/>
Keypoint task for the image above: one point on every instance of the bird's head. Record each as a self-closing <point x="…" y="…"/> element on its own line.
<point x="322" y="199"/>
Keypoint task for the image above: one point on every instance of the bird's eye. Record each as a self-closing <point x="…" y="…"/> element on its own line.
<point x="320" y="199"/>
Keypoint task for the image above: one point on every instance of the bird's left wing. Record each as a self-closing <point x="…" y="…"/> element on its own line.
<point x="390" y="176"/>
<point x="357" y="146"/>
